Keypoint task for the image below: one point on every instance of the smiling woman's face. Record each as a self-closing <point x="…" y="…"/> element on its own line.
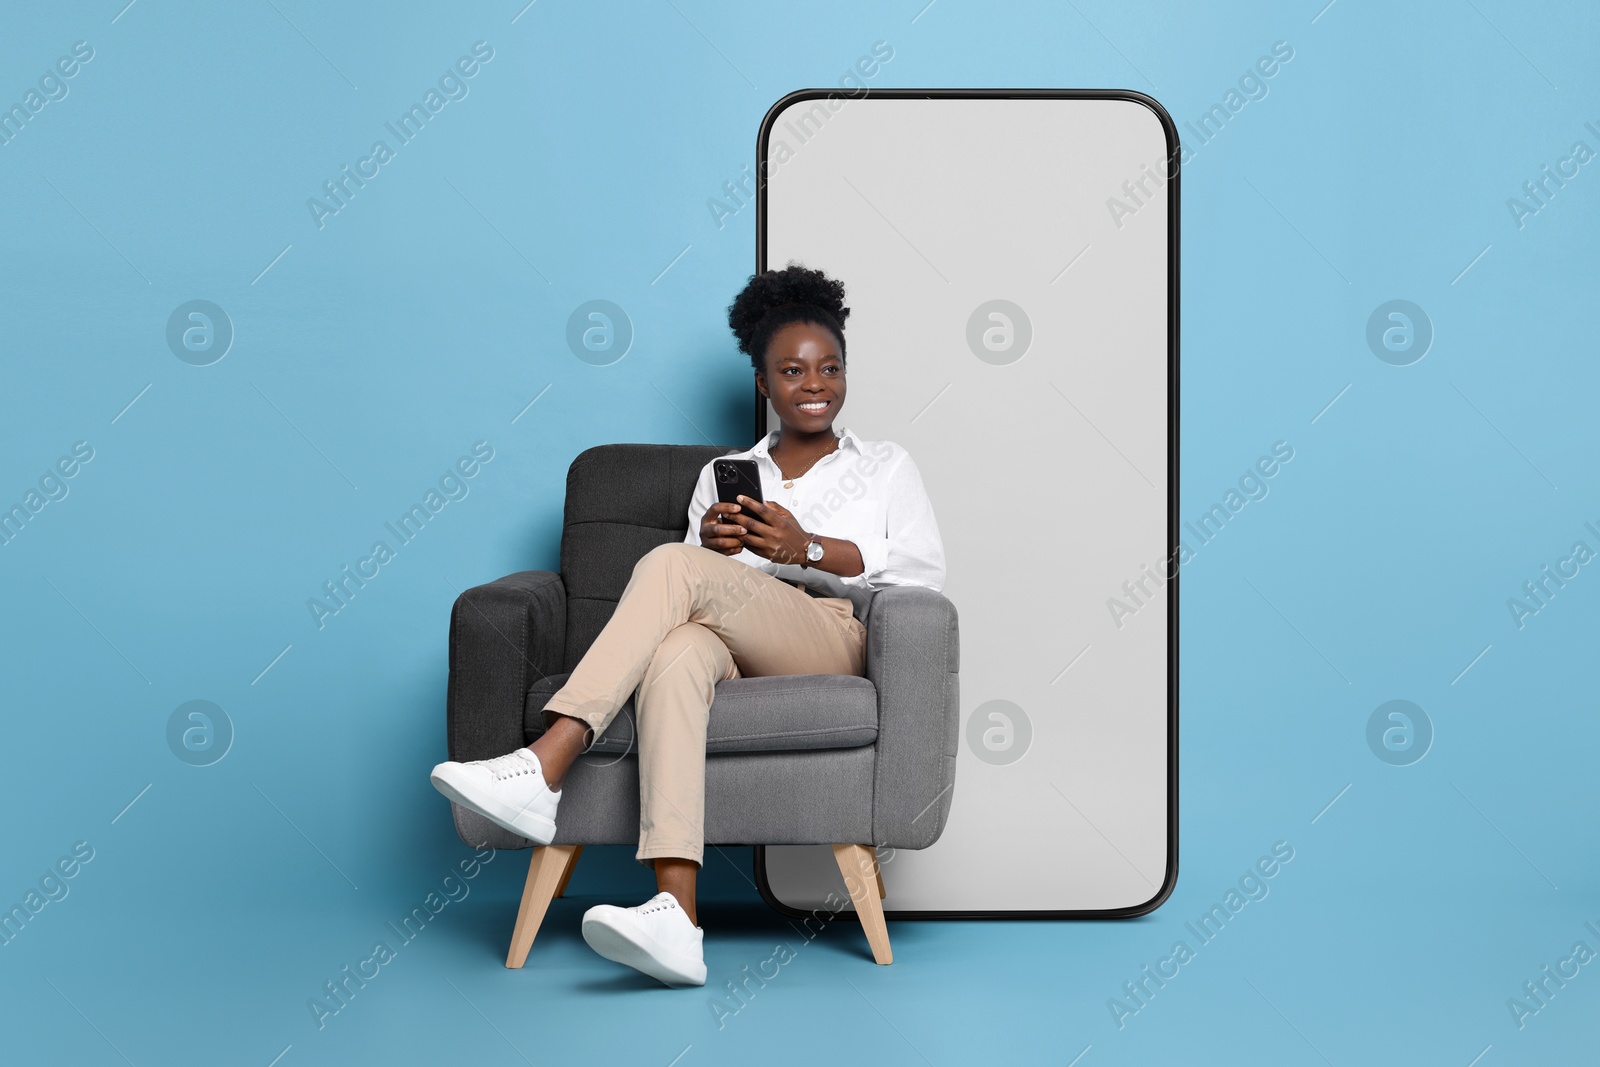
<point x="804" y="368"/>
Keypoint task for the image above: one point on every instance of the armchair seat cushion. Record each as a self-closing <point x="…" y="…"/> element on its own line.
<point x="782" y="713"/>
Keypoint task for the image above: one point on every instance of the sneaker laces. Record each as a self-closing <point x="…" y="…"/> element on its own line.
<point x="510" y="765"/>
<point x="659" y="902"/>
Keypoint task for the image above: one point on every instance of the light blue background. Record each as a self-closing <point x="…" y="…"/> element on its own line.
<point x="379" y="348"/>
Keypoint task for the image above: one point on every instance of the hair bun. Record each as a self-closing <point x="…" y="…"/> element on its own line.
<point x="776" y="297"/>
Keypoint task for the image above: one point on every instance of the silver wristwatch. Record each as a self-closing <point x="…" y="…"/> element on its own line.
<point x="813" y="550"/>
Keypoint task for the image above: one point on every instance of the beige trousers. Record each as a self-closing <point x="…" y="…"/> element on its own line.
<point x="688" y="618"/>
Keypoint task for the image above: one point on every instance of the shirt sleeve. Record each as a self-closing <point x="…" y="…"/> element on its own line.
<point x="705" y="494"/>
<point x="911" y="552"/>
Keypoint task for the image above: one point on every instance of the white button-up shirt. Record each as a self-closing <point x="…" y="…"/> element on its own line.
<point x="866" y="492"/>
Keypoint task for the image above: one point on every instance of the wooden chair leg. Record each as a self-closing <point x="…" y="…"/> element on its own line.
<point x="572" y="861"/>
<point x="545" y="871"/>
<point x="859" y="865"/>
<point x="882" y="893"/>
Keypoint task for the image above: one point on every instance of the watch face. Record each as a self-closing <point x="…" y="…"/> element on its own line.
<point x="814" y="551"/>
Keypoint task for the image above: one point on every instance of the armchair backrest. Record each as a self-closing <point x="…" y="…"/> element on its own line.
<point x="622" y="501"/>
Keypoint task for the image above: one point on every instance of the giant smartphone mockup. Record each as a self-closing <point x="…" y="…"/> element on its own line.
<point x="1010" y="259"/>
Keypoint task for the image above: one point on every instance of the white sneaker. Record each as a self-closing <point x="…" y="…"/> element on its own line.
<point x="655" y="938"/>
<point x="508" y="790"/>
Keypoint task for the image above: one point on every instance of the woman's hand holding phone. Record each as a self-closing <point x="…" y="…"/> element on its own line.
<point x="720" y="533"/>
<point x="771" y="531"/>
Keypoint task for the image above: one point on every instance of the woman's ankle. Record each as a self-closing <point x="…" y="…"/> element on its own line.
<point x="677" y="876"/>
<point x="563" y="740"/>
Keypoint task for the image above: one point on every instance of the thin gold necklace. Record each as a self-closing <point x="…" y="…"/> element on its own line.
<point x="790" y="480"/>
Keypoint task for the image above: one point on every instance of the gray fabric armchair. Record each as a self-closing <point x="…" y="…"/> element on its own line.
<point x="797" y="759"/>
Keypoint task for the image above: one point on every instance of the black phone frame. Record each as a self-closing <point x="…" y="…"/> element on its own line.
<point x="1174" y="148"/>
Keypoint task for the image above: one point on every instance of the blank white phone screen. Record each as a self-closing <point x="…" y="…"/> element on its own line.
<point x="1010" y="265"/>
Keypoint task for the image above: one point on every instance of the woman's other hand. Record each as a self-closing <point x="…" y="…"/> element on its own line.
<point x="771" y="531"/>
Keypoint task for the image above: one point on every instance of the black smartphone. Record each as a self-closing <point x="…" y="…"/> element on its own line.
<point x="736" y="477"/>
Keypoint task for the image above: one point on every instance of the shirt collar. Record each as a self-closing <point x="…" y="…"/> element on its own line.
<point x="846" y="437"/>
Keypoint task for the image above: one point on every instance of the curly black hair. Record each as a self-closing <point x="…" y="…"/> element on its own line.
<point x="775" y="298"/>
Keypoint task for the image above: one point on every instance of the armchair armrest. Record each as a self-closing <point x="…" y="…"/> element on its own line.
<point x="913" y="658"/>
<point x="503" y="636"/>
